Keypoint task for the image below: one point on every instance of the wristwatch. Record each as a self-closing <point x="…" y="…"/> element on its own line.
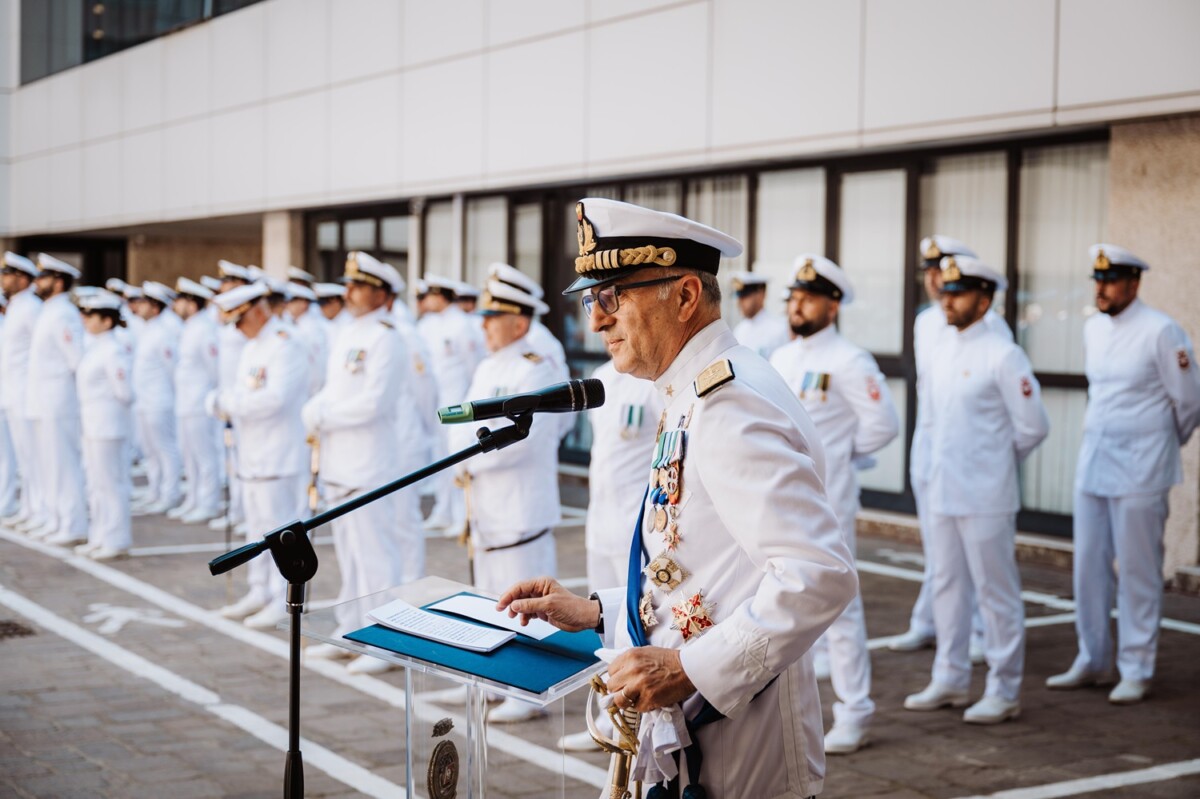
<point x="599" y="624"/>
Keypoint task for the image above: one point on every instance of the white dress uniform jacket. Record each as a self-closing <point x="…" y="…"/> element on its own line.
<point x="764" y="333"/>
<point x="765" y="561"/>
<point x="154" y="363"/>
<point x="197" y="367"/>
<point x="105" y="402"/>
<point x="9" y="481"/>
<point x="543" y="342"/>
<point x="19" y="321"/>
<point x="313" y="330"/>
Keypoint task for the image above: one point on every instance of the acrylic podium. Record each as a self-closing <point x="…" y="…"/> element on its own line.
<point x="449" y="749"/>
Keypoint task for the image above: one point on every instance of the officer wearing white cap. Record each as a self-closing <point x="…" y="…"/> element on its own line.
<point x="928" y="328"/>
<point x="52" y="401"/>
<point x="737" y="564"/>
<point x="272" y="459"/>
<point x="512" y="494"/>
<point x="16" y="280"/>
<point x="105" y="403"/>
<point x="311" y="328"/>
<point x="355" y="417"/>
<point x="195" y="377"/>
<point x="1143" y="405"/>
<point x="230" y="343"/>
<point x="154" y="363"/>
<point x="214" y="285"/>
<point x="298" y="276"/>
<point x="9" y="476"/>
<point x="987" y="416"/>
<point x="760" y="330"/>
<point x="331" y="299"/>
<point x="466" y="297"/>
<point x="845" y="394"/>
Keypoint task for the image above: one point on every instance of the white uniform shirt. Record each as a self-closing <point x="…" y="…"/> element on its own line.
<point x="356" y="410"/>
<point x="844" y="392"/>
<point x="453" y="341"/>
<point x="230" y="343"/>
<point x="763" y="553"/>
<point x="764" y="333"/>
<point x="514" y="491"/>
<point x="20" y="319"/>
<point x="264" y="404"/>
<point x="986" y="416"/>
<point x="54" y="354"/>
<point x="154" y="363"/>
<point x="1143" y="402"/>
<point x="196" y="371"/>
<point x="416" y="407"/>
<point x="623" y="431"/>
<point x="313" y="331"/>
<point x="105" y="390"/>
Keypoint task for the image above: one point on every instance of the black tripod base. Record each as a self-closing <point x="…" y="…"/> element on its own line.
<point x="293" y="778"/>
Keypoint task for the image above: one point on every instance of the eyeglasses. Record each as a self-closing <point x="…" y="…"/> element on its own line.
<point x="609" y="297"/>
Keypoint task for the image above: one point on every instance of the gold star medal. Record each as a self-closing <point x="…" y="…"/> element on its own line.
<point x="646" y="610"/>
<point x="665" y="573"/>
<point x="692" y="616"/>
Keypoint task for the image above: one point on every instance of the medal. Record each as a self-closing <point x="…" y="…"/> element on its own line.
<point x="660" y="519"/>
<point x="646" y="610"/>
<point x="665" y="573"/>
<point x="671" y="536"/>
<point x="692" y="616"/>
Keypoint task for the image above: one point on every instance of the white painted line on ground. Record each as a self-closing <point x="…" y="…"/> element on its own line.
<point x="577" y="513"/>
<point x="1167" y="771"/>
<point x="194" y="549"/>
<point x="386" y="692"/>
<point x="336" y="766"/>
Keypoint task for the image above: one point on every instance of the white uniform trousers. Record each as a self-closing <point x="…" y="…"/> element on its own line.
<point x="33" y="504"/>
<point x="161" y="454"/>
<point x="61" y="470"/>
<point x="234" y="507"/>
<point x="606" y="571"/>
<point x="849" y="658"/>
<point x="449" y="504"/>
<point x="1129" y="530"/>
<point x="371" y="554"/>
<point x="921" y="619"/>
<point x="9" y="479"/>
<point x="106" y="465"/>
<point x="201" y="462"/>
<point x="269" y="504"/>
<point x="497" y="570"/>
<point x="976" y="555"/>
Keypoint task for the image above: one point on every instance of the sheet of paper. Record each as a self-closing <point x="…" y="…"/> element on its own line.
<point x="484" y="610"/>
<point x="399" y="615"/>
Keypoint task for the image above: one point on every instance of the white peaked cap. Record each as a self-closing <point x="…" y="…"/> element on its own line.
<point x="935" y="247"/>
<point x="157" y="291"/>
<point x="190" y="287"/>
<point x="819" y="274"/>
<point x="957" y="267"/>
<point x="515" y="277"/>
<point x="236" y="302"/>
<point x="100" y="301"/>
<point x="502" y="298"/>
<point x="326" y="290"/>
<point x="297" y="291"/>
<point x="230" y="269"/>
<point x="20" y="262"/>
<point x="210" y="283"/>
<point x="48" y="263"/>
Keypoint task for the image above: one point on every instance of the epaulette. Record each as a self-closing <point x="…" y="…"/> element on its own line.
<point x="713" y="377"/>
<point x="534" y="357"/>
<point x="388" y="324"/>
<point x="282" y="334"/>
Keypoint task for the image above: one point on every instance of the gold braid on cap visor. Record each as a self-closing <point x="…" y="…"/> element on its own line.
<point x="489" y="303"/>
<point x="590" y="260"/>
<point x="237" y="313"/>
<point x="358" y="276"/>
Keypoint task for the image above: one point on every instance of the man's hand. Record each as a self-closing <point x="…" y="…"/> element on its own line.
<point x="544" y="598"/>
<point x="648" y="678"/>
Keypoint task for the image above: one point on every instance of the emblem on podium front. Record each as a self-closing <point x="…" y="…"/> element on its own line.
<point x="442" y="780"/>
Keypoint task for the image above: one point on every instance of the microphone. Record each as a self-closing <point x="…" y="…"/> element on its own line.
<point x="568" y="397"/>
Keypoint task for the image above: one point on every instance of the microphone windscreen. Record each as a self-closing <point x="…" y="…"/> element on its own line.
<point x="593" y="393"/>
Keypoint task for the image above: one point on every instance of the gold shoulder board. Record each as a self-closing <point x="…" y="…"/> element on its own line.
<point x="282" y="334"/>
<point x="713" y="377"/>
<point x="533" y="356"/>
<point x="387" y="323"/>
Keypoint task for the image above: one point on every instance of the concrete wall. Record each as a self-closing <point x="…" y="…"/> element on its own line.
<point x="298" y="103"/>
<point x="165" y="258"/>
<point x="1154" y="205"/>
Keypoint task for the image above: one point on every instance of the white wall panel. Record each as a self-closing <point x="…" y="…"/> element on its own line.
<point x="141" y="85"/>
<point x="647" y="91"/>
<point x="65" y="204"/>
<point x="187" y="73"/>
<point x="141" y="175"/>
<point x="239" y="149"/>
<point x="6" y="218"/>
<point x="63" y="125"/>
<point x="102" y="84"/>
<point x="535" y="107"/>
<point x="364" y="133"/>
<point x="600" y="10"/>
<point x="31" y="112"/>
<point x="442" y="121"/>
<point x="297" y="146"/>
<point x="523" y="19"/>
<point x="238" y="45"/>
<point x="187" y="153"/>
<point x="1118" y="50"/>
<point x="784" y="70"/>
<point x="441" y="29"/>
<point x="297" y="45"/>
<point x="935" y="60"/>
<point x="100" y="194"/>
<point x="31" y="193"/>
<point x="6" y="128"/>
<point x="9" y="37"/>
<point x="365" y="37"/>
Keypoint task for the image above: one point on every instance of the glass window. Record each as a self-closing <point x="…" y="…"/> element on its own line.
<point x="887" y="474"/>
<point x="789" y="220"/>
<point x="527" y="239"/>
<point x="327" y="235"/>
<point x="723" y="203"/>
<point x="438" y="246"/>
<point x="661" y="195"/>
<point x="359" y="234"/>
<point x="1048" y="475"/>
<point x="871" y="250"/>
<point x="394" y="233"/>
<point x="1064" y="207"/>
<point x="487" y="237"/>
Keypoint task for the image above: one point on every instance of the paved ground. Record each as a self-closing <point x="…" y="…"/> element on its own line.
<point x="126" y="685"/>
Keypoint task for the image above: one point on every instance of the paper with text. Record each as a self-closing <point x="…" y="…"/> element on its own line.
<point x="484" y="610"/>
<point x="399" y="615"/>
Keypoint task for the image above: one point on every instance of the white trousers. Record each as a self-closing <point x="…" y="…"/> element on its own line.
<point x="373" y="552"/>
<point x="201" y="462"/>
<point x="270" y="503"/>
<point x="160" y="450"/>
<point x="106" y="462"/>
<point x="921" y="619"/>
<point x="978" y="553"/>
<point x="497" y="570"/>
<point x="849" y="658"/>
<point x="25" y="449"/>
<point x="61" y="469"/>
<point x="9" y="474"/>
<point x="449" y="504"/>
<point x="1128" y="530"/>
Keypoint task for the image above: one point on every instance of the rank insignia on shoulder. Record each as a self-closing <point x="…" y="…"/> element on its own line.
<point x="713" y="377"/>
<point x="387" y="323"/>
<point x="283" y="334"/>
<point x="533" y="357"/>
<point x="1182" y="357"/>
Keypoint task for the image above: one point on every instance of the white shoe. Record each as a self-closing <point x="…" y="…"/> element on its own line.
<point x="366" y="664"/>
<point x="821" y="665"/>
<point x="12" y="521"/>
<point x="246" y="606"/>
<point x="156" y="508"/>
<point x="179" y="512"/>
<point x="86" y="549"/>
<point x="911" y="641"/>
<point x="992" y="710"/>
<point x="1074" y="678"/>
<point x="845" y="738"/>
<point x="578" y="742"/>
<point x="198" y="515"/>
<point x="217" y="524"/>
<point x="511" y="711"/>
<point x="327" y="652"/>
<point x="241" y="528"/>
<point x="29" y="523"/>
<point x="67" y="539"/>
<point x="108" y="553"/>
<point x="977" y="653"/>
<point x="936" y="696"/>
<point x="268" y="618"/>
<point x="1129" y="692"/>
<point x="44" y="532"/>
<point x="435" y="523"/>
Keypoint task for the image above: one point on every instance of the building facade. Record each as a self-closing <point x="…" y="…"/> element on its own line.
<point x="446" y="134"/>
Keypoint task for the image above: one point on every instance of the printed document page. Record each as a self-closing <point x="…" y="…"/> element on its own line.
<point x="399" y="615"/>
<point x="484" y="610"/>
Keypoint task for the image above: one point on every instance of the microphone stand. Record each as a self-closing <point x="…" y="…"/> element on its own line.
<point x="296" y="560"/>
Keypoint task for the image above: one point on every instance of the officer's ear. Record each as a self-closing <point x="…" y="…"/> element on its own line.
<point x="690" y="294"/>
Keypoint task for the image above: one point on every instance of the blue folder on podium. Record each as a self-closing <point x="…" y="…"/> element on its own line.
<point x="523" y="662"/>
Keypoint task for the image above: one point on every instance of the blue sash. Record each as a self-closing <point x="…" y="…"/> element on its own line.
<point x="633" y="583"/>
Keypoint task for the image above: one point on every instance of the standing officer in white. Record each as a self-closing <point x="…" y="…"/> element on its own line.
<point x="311" y="328"/>
<point x="927" y="332"/>
<point x="760" y="329"/>
<point x="230" y="343"/>
<point x="195" y="378"/>
<point x="1143" y="405"/>
<point x="355" y="417"/>
<point x="272" y="459"/>
<point x="24" y="305"/>
<point x="154" y="363"/>
<point x="52" y="401"/>
<point x="844" y="392"/>
<point x="987" y="416"/>
<point x="331" y="302"/>
<point x="105" y="402"/>
<point x="10" y="480"/>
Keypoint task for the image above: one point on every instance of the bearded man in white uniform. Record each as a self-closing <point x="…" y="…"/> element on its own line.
<point x="761" y="330"/>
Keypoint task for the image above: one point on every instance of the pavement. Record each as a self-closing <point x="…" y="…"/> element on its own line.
<point x="119" y="680"/>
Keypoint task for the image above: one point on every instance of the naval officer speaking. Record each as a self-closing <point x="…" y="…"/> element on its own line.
<point x="737" y="564"/>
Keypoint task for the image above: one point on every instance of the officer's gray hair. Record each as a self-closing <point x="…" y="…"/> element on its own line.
<point x="710" y="289"/>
